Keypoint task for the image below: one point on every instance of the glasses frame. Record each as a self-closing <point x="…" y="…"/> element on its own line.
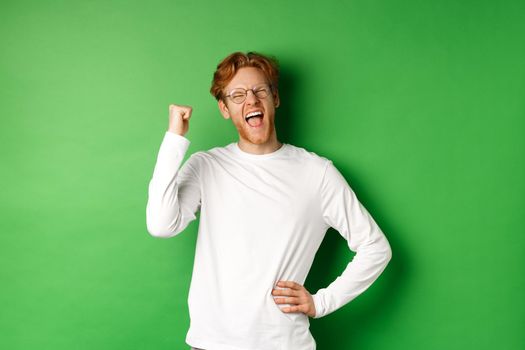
<point x="269" y="86"/>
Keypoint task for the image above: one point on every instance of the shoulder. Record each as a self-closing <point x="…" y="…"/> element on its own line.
<point x="312" y="158"/>
<point x="202" y="157"/>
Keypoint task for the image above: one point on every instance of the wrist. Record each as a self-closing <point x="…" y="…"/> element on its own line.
<point x="175" y="132"/>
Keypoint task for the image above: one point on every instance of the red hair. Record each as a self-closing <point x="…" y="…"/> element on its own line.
<point x="229" y="66"/>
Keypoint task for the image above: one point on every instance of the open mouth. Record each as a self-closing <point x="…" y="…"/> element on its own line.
<point x="254" y="119"/>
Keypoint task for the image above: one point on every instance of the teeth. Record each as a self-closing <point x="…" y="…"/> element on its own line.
<point x="252" y="114"/>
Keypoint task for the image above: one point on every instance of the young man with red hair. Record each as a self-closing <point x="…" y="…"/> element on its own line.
<point x="265" y="207"/>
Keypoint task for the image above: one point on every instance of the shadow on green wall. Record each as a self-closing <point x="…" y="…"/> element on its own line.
<point x="374" y="309"/>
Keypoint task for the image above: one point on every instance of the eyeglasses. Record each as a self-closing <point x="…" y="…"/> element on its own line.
<point x="239" y="95"/>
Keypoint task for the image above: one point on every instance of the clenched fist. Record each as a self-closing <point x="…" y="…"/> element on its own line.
<point x="179" y="119"/>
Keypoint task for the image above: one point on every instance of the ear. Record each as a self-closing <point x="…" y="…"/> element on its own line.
<point x="224" y="109"/>
<point x="276" y="100"/>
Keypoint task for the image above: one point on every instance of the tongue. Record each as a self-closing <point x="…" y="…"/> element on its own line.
<point x="255" y="121"/>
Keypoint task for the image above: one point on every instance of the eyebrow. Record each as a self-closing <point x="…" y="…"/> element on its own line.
<point x="242" y="87"/>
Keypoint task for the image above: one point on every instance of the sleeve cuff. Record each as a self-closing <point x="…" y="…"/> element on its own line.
<point x="318" y="306"/>
<point x="176" y="140"/>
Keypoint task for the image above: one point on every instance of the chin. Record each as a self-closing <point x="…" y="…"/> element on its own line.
<point x="256" y="138"/>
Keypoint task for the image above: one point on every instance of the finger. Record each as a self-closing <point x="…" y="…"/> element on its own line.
<point x="186" y="112"/>
<point x="174" y="107"/>
<point x="289" y="284"/>
<point x="183" y="111"/>
<point x="175" y="110"/>
<point x="294" y="308"/>
<point x="285" y="292"/>
<point x="292" y="300"/>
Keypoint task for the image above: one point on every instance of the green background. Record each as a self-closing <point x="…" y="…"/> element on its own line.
<point x="419" y="104"/>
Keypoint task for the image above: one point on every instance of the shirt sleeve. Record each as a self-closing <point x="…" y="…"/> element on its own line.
<point x="173" y="194"/>
<point x="342" y="211"/>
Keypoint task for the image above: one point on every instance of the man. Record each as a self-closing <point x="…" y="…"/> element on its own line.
<point x="265" y="207"/>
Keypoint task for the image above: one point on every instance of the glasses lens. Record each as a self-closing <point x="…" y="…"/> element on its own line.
<point x="261" y="92"/>
<point x="238" y="95"/>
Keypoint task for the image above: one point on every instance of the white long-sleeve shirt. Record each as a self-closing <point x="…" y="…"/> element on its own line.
<point x="262" y="219"/>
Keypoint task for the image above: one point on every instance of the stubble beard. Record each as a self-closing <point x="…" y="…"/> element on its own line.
<point x="256" y="137"/>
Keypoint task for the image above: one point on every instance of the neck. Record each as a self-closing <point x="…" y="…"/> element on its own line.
<point x="270" y="146"/>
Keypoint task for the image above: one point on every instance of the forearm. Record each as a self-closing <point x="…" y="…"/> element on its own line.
<point x="163" y="210"/>
<point x="366" y="266"/>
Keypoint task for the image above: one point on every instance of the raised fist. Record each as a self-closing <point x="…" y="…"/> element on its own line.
<point x="179" y="119"/>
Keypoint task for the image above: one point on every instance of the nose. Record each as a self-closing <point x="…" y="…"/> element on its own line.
<point x="251" y="98"/>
